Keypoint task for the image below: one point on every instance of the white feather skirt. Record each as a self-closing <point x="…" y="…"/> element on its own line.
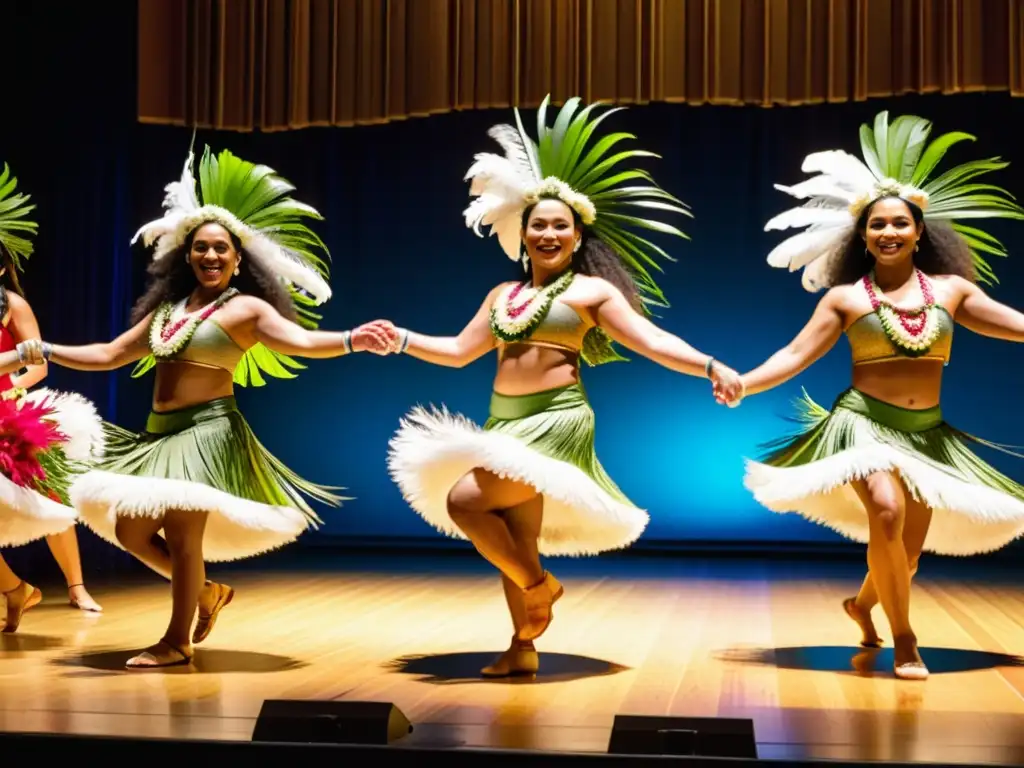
<point x="975" y="508"/>
<point x="200" y="459"/>
<point x="26" y="514"/>
<point x="545" y="440"/>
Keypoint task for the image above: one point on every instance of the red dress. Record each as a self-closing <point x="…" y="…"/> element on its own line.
<point x="6" y="345"/>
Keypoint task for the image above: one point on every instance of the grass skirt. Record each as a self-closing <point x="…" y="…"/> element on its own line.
<point x="975" y="508"/>
<point x="544" y="439"/>
<point x="204" y="459"/>
<point x="31" y="510"/>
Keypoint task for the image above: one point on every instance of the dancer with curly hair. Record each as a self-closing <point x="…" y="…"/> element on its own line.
<point x="529" y="483"/>
<point x="233" y="280"/>
<point x="883" y="466"/>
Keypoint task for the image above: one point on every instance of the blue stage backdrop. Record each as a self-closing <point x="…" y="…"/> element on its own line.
<point x="393" y="197"/>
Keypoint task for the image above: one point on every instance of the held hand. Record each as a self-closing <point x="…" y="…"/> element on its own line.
<point x="379" y="337"/>
<point x="726" y="385"/>
<point x="33" y="352"/>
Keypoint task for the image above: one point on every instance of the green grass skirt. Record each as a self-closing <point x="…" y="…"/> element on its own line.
<point x="204" y="459"/>
<point x="546" y="440"/>
<point x="975" y="508"/>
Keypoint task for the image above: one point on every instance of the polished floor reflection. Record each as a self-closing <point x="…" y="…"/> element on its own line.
<point x="666" y="636"/>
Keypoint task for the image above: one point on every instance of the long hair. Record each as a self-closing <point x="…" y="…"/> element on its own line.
<point x="941" y="251"/>
<point x="172" y="280"/>
<point x="595" y="258"/>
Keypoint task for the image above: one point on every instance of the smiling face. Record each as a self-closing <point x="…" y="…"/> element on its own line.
<point x="890" y="232"/>
<point x="550" y="235"/>
<point x="213" y="256"/>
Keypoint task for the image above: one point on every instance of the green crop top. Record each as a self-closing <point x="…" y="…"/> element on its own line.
<point x="210" y="345"/>
<point x="869" y="343"/>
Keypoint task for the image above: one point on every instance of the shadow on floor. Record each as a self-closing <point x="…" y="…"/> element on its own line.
<point x="205" y="661"/>
<point x="447" y="668"/>
<point x="865" y="661"/>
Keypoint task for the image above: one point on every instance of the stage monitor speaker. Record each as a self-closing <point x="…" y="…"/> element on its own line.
<point x="695" y="736"/>
<point x="330" y="722"/>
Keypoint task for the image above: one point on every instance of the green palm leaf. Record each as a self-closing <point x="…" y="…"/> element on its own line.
<point x="14" y="208"/>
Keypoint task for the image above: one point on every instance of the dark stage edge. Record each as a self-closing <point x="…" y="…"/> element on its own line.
<point x="94" y="749"/>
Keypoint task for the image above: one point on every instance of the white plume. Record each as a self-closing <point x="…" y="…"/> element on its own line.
<point x="820" y="187"/>
<point x="812" y="214"/>
<point x="800" y="250"/>
<point x="500" y="186"/>
<point x="845" y="170"/>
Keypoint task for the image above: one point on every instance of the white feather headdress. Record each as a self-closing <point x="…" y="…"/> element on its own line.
<point x="563" y="164"/>
<point x="251" y="202"/>
<point x="896" y="162"/>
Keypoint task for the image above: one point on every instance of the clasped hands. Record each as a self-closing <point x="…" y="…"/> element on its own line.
<point x="726" y="385"/>
<point x="34" y="351"/>
<point x="380" y="337"/>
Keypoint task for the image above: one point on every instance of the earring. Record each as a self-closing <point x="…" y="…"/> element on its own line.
<point x="579" y="244"/>
<point x="526" y="261"/>
<point x="237" y="272"/>
<point x="917" y="246"/>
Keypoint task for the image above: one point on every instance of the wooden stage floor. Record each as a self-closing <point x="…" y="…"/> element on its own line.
<point x="648" y="636"/>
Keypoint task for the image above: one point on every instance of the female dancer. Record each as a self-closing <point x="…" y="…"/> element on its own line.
<point x="882" y="466"/>
<point x="198" y="473"/>
<point x="46" y="436"/>
<point x="530" y="483"/>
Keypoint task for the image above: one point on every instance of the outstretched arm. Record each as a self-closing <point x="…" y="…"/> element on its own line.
<point x="982" y="314"/>
<point x="634" y="331"/>
<point x="282" y="335"/>
<point x="131" y="346"/>
<point x="23" y="325"/>
<point x="817" y="337"/>
<point x="475" y="340"/>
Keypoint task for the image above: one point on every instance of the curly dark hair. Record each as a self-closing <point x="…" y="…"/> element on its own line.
<point x="941" y="251"/>
<point x="172" y="279"/>
<point x="595" y="258"/>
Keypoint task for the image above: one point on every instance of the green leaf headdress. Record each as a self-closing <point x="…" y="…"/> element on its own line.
<point x="897" y="161"/>
<point x="15" y="228"/>
<point x="565" y="163"/>
<point x="253" y="203"/>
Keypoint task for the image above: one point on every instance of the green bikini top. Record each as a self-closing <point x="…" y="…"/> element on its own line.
<point x="561" y="328"/>
<point x="869" y="342"/>
<point x="210" y="345"/>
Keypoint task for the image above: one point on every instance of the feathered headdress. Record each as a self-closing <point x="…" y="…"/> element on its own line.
<point x="897" y="161"/>
<point x="253" y="203"/>
<point x="561" y="164"/>
<point x="15" y="228"/>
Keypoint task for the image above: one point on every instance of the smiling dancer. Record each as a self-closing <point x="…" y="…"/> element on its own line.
<point x="223" y="300"/>
<point x="45" y="437"/>
<point x="882" y="466"/>
<point x="529" y="482"/>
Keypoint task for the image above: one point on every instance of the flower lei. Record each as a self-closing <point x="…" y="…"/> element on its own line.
<point x="167" y="339"/>
<point x="912" y="330"/>
<point x="512" y="322"/>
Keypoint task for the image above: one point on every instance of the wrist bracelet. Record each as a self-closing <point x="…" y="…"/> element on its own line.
<point x="47" y="348"/>
<point x="404" y="339"/>
<point x="707" y="367"/>
<point x="346" y="341"/>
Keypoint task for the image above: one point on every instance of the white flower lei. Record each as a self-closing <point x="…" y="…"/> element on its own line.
<point x="182" y="336"/>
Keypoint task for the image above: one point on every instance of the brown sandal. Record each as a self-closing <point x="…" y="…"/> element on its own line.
<point x="205" y="624"/>
<point x="540" y="599"/>
<point x="30" y="597"/>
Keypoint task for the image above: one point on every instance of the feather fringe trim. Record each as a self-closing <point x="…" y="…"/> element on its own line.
<point x="433" y="449"/>
<point x="235" y="529"/>
<point x="77" y="419"/>
<point x="967" y="518"/>
<point x="26" y="516"/>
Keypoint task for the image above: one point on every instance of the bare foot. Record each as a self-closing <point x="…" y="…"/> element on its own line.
<point x="908" y="664"/>
<point x="19" y="600"/>
<point x="163" y="654"/>
<point x="80" y="598"/>
<point x="870" y="638"/>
